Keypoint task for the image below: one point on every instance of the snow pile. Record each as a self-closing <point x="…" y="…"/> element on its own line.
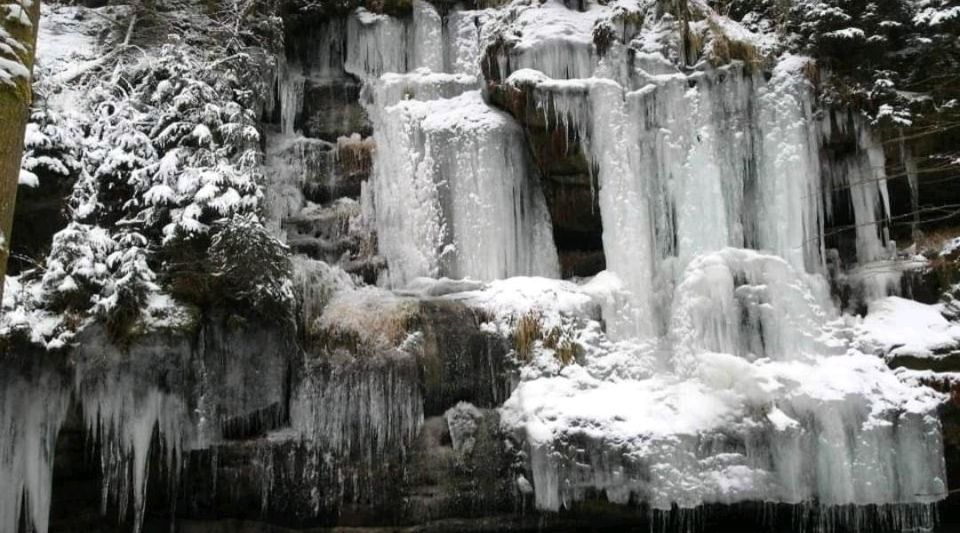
<point x="550" y="299"/>
<point x="895" y="326"/>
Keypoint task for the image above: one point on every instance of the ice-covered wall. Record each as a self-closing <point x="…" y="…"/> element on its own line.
<point x="692" y="163"/>
<point x="122" y="416"/>
<point x="755" y="395"/>
<point x="722" y="374"/>
<point x="719" y="371"/>
<point x="454" y="194"/>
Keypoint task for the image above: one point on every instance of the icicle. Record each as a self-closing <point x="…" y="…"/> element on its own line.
<point x="122" y="416"/>
<point x="360" y="411"/>
<point x="428" y="43"/>
<point x="462" y="47"/>
<point x="376" y="44"/>
<point x="291" y="97"/>
<point x="910" y="169"/>
<point x="31" y="413"/>
<point x="861" y="177"/>
<point x="791" y="215"/>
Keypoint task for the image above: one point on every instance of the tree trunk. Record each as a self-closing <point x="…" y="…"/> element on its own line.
<point x="19" y="33"/>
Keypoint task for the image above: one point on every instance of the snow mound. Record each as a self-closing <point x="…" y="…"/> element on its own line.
<point x="897" y="326"/>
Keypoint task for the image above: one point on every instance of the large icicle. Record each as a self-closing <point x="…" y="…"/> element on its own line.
<point x="31" y="413"/>
<point x="453" y="192"/>
<point x="790" y="211"/>
<point x="859" y="178"/>
<point x="378" y="44"/>
<point x="123" y="415"/>
<point x="687" y="170"/>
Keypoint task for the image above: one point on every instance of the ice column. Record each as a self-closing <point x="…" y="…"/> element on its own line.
<point x="453" y="194"/>
<point x="790" y="208"/>
<point x="291" y="96"/>
<point x="694" y="164"/>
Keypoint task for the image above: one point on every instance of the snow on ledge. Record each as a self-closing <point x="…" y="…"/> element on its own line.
<point x="896" y="326"/>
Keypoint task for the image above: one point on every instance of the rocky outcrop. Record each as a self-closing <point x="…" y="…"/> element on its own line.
<point x="331" y="430"/>
<point x="568" y="182"/>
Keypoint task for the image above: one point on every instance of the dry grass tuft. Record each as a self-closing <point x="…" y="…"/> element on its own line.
<point x="725" y="49"/>
<point x="529" y="330"/>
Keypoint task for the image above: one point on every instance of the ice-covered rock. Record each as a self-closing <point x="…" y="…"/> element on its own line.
<point x="751" y="398"/>
<point x="462" y="422"/>
<point x="453" y="193"/>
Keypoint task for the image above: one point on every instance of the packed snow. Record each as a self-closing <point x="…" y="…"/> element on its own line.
<point x="896" y="326"/>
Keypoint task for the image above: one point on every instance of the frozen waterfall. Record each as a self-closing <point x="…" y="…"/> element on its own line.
<point x="454" y="192"/>
<point x="706" y="362"/>
<point x="751" y="397"/>
<point x="689" y="164"/>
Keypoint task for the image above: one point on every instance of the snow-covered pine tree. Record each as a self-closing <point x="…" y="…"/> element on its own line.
<point x="253" y="267"/>
<point x="132" y="281"/>
<point x="77" y="272"/>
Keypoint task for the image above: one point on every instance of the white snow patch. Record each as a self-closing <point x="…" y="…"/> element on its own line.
<point x="897" y="326"/>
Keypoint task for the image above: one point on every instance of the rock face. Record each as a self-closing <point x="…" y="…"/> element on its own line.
<point x="234" y="421"/>
<point x="481" y="144"/>
<point x="335" y="429"/>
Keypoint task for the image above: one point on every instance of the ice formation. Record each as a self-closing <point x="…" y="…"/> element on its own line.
<point x="718" y="378"/>
<point x="717" y="374"/>
<point x="751" y="397"/>
<point x="461" y="167"/>
<point x="368" y="412"/>
<point x="31" y="413"/>
<point x="123" y="415"/>
<point x="731" y="161"/>
<point x="896" y="326"/>
<point x="453" y="192"/>
<point x="710" y="364"/>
